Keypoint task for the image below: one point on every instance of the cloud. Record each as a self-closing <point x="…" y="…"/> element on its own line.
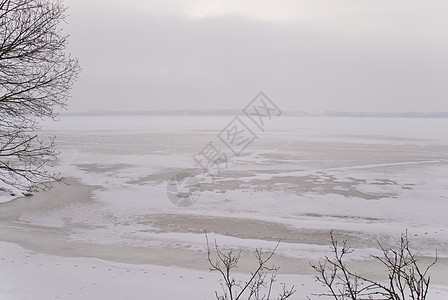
<point x="311" y="55"/>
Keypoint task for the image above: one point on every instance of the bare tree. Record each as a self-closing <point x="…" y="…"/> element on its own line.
<point x="405" y="278"/>
<point x="258" y="286"/>
<point x="36" y="75"/>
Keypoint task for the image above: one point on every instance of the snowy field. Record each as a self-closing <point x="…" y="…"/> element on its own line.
<point x="111" y="232"/>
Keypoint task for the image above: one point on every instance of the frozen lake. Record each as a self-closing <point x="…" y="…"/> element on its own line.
<point x="294" y="180"/>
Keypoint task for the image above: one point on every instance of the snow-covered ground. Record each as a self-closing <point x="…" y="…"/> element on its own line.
<point x="113" y="232"/>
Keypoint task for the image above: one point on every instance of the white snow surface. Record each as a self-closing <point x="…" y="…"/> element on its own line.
<point x="368" y="179"/>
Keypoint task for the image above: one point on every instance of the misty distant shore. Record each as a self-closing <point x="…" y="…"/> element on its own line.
<point x="234" y="112"/>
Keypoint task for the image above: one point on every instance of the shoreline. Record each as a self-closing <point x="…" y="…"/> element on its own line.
<point x="56" y="241"/>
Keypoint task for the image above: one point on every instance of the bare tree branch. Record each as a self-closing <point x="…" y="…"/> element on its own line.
<point x="36" y="75"/>
<point x="406" y="280"/>
<point x="257" y="287"/>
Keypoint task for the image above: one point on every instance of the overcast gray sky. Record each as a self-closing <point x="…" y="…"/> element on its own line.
<point x="311" y="55"/>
